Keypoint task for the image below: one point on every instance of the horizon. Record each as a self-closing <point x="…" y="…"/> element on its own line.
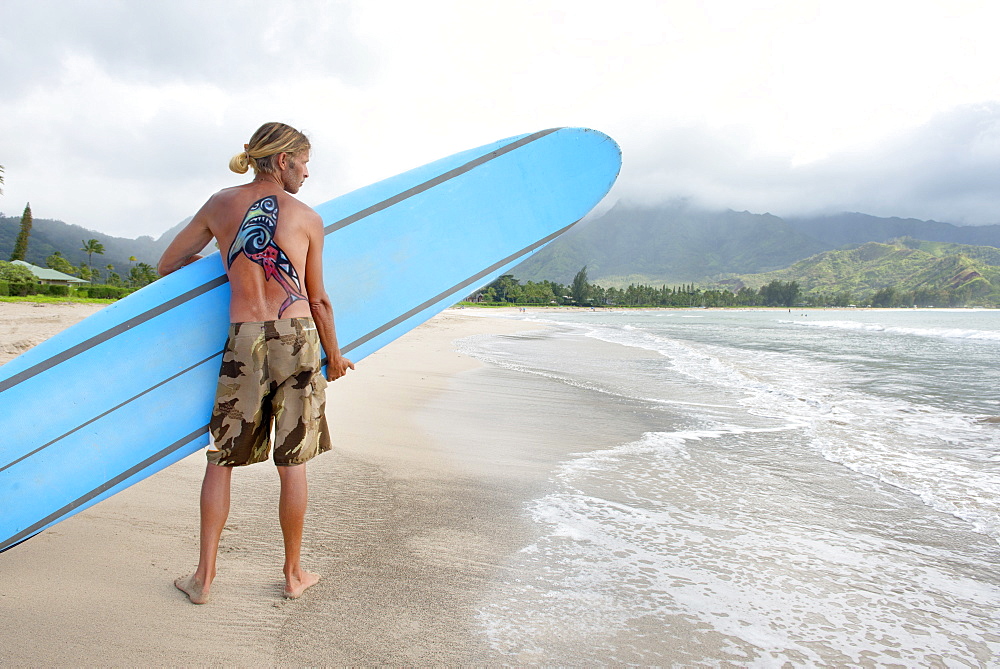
<point x="596" y="213"/>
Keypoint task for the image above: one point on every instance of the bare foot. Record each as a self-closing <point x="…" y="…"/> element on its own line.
<point x="196" y="591"/>
<point x="294" y="587"/>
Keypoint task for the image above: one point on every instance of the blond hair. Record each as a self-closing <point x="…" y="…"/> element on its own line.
<point x="269" y="140"/>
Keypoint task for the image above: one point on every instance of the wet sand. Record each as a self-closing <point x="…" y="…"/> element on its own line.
<point x="413" y="517"/>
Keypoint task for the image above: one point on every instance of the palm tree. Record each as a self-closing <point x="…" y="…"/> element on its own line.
<point x="142" y="274"/>
<point x="90" y="247"/>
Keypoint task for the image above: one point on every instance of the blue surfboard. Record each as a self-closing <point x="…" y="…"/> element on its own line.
<point x="129" y="390"/>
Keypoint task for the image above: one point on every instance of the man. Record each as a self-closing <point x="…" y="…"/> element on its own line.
<point x="280" y="314"/>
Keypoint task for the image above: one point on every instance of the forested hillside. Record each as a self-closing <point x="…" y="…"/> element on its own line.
<point x="674" y="244"/>
<point x="850" y="229"/>
<point x="669" y="245"/>
<point x="48" y="236"/>
<point x="930" y="272"/>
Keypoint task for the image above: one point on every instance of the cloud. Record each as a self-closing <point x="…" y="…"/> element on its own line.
<point x="242" y="43"/>
<point x="947" y="169"/>
<point x="121" y="116"/>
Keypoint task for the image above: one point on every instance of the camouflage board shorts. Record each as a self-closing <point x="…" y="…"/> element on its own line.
<point x="271" y="372"/>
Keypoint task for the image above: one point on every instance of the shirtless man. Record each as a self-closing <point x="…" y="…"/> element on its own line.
<point x="280" y="314"/>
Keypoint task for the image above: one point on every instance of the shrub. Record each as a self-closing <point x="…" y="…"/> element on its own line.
<point x="106" y="292"/>
<point x="23" y="289"/>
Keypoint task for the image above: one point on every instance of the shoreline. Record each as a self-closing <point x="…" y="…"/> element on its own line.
<point x="431" y="523"/>
<point x="543" y="307"/>
<point x="411" y="524"/>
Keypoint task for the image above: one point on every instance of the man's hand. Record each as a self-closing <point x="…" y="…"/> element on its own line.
<point x="337" y="367"/>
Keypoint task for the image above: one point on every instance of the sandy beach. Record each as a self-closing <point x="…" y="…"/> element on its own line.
<point x="412" y="519"/>
<point x="686" y="488"/>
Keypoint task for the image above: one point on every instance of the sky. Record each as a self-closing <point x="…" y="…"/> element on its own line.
<point x="121" y="116"/>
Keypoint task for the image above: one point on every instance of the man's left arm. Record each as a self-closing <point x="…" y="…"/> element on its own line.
<point x="320" y="305"/>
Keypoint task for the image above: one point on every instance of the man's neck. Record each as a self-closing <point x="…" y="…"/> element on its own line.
<point x="268" y="178"/>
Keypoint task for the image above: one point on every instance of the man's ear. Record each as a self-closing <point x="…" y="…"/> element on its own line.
<point x="281" y="161"/>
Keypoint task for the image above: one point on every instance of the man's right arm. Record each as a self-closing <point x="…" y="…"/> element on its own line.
<point x="185" y="246"/>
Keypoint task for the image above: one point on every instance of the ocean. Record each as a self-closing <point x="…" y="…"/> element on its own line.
<point x="803" y="488"/>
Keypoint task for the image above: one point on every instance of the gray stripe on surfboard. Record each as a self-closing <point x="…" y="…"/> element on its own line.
<point x="52" y="517"/>
<point x="49" y="363"/>
<point x="454" y="289"/>
<point x="438" y="180"/>
<point x="59" y="358"/>
<point x="111" y="410"/>
<point x="180" y="443"/>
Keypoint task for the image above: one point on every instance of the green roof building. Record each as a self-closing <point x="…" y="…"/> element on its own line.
<point x="50" y="276"/>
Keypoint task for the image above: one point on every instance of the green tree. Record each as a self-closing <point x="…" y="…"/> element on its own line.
<point x="504" y="289"/>
<point x="90" y="247"/>
<point x="57" y="262"/>
<point x="779" y="293"/>
<point x="580" y="289"/>
<point x="886" y="297"/>
<point x="131" y="264"/>
<point x="142" y="275"/>
<point x="558" y="290"/>
<point x="20" y="279"/>
<point x="21" y="244"/>
<point x="928" y="297"/>
<point x="597" y="294"/>
<point x="12" y="273"/>
<point x="537" y="293"/>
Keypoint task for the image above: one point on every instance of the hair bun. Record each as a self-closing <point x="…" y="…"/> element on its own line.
<point x="240" y="163"/>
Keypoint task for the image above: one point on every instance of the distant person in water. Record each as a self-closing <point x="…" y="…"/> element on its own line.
<point x="280" y="315"/>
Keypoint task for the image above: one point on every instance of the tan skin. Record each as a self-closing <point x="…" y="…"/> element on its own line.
<point x="300" y="236"/>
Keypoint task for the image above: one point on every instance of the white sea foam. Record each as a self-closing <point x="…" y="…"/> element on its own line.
<point x="764" y="525"/>
<point x="894" y="440"/>
<point x="666" y="542"/>
<point x="943" y="332"/>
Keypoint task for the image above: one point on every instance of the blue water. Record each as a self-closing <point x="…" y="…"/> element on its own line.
<point x="812" y="488"/>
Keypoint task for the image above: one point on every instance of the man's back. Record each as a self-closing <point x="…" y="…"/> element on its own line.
<point x="271" y="244"/>
<point x="264" y="235"/>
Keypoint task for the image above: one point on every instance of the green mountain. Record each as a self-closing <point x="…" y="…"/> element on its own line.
<point x="48" y="236"/>
<point x="853" y="228"/>
<point x="674" y="244"/>
<point x="905" y="265"/>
